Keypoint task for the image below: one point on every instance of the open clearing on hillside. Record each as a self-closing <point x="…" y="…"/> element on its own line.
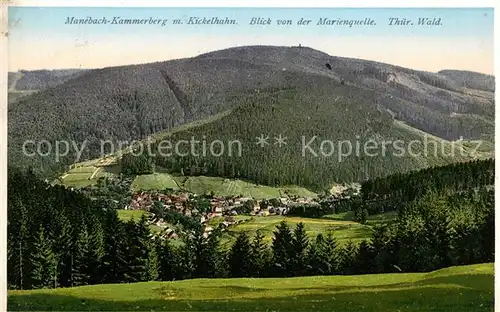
<point x="155" y="181"/>
<point x="342" y="225"/>
<point x="378" y="219"/>
<point x="231" y="187"/>
<point x="127" y="215"/>
<point x="227" y="187"/>
<point x="465" y="288"/>
<point x="88" y="173"/>
<point x="217" y="186"/>
<point x="342" y="230"/>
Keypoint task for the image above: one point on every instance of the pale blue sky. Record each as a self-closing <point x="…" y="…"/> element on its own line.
<point x="39" y="38"/>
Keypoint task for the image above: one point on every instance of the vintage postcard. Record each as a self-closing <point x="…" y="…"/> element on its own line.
<point x="250" y="158"/>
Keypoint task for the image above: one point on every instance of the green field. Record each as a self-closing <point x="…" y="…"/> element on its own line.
<point x="227" y="187"/>
<point x="232" y="187"/>
<point x="155" y="181"/>
<point x="464" y="288"/>
<point x="342" y="226"/>
<point x="127" y="215"/>
<point x="378" y="219"/>
<point x="342" y="230"/>
<point x="89" y="172"/>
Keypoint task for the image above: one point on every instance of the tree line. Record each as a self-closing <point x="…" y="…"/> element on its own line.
<point x="449" y="178"/>
<point x="62" y="238"/>
<point x="391" y="192"/>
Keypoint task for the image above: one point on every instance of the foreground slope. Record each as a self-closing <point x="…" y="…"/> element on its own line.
<point x="266" y="88"/>
<point x="464" y="288"/>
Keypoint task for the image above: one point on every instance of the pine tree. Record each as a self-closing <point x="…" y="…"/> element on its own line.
<point x="487" y="230"/>
<point x="300" y="244"/>
<point x="210" y="263"/>
<point x="44" y="262"/>
<point x="282" y="249"/>
<point x="145" y="239"/>
<point x="136" y="258"/>
<point x="349" y="256"/>
<point x="316" y="257"/>
<point x="240" y="257"/>
<point x="18" y="247"/>
<point x="332" y="254"/>
<point x="382" y="248"/>
<point x="96" y="251"/>
<point x="188" y="254"/>
<point x="260" y="256"/>
<point x="61" y="232"/>
<point x="80" y="267"/>
<point x="199" y="245"/>
<point x="153" y="263"/>
<point x="364" y="262"/>
<point x="114" y="261"/>
<point x="167" y="263"/>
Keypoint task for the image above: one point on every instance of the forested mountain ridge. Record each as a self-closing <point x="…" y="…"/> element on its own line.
<point x="26" y="80"/>
<point x="470" y="79"/>
<point x="286" y="90"/>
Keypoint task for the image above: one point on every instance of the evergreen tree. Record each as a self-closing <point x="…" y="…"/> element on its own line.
<point x="96" y="251"/>
<point x="210" y="262"/>
<point x="300" y="244"/>
<point x="349" y="254"/>
<point x="152" y="263"/>
<point x="137" y="254"/>
<point x="114" y="261"/>
<point x="436" y="231"/>
<point x="240" y="257"/>
<point x="316" y="256"/>
<point x="18" y="245"/>
<point x="332" y="258"/>
<point x="80" y="267"/>
<point x="365" y="258"/>
<point x="44" y="262"/>
<point x="188" y="254"/>
<point x="282" y="248"/>
<point x="260" y="255"/>
<point x="61" y="231"/>
<point x="487" y="230"/>
<point x="381" y="242"/>
<point x="149" y="247"/>
<point x="166" y="260"/>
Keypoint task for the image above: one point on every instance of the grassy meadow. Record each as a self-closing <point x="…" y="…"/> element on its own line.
<point x="88" y="173"/>
<point x="344" y="231"/>
<point x="342" y="225"/>
<point x="464" y="288"/>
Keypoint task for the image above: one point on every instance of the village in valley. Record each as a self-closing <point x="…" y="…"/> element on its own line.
<point x="209" y="207"/>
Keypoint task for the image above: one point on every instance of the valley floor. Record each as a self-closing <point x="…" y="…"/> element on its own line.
<point x="465" y="288"/>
